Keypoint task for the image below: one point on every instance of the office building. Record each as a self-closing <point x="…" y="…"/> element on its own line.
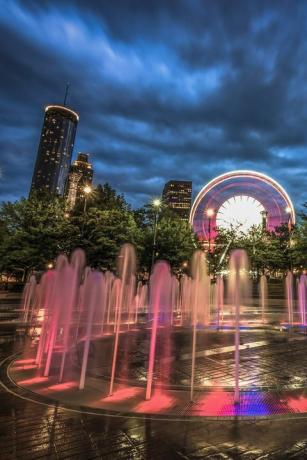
<point x="177" y="196"/>
<point x="55" y="150"/>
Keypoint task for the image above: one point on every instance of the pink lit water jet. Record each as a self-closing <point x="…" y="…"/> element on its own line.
<point x="126" y="269"/>
<point x="160" y="299"/>
<point x="302" y="285"/>
<point x="289" y="296"/>
<point x="200" y="302"/>
<point x="263" y="287"/>
<point x="239" y="291"/>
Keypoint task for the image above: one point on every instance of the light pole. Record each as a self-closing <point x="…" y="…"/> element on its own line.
<point x="210" y="213"/>
<point x="87" y="190"/>
<point x="288" y="211"/>
<point x="156" y="205"/>
<point x="264" y="216"/>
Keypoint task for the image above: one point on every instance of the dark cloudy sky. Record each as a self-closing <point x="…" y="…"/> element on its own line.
<point x="165" y="89"/>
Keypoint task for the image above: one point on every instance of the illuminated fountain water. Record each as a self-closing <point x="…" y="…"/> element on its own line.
<point x="124" y="298"/>
<point x="95" y="323"/>
<point x="219" y="300"/>
<point x="289" y="297"/>
<point x="302" y="285"/>
<point x="263" y="296"/>
<point x="199" y="302"/>
<point x="160" y="309"/>
<point x="29" y="296"/>
<point x="239" y="290"/>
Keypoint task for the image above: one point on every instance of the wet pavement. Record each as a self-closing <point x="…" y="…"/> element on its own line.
<point x="273" y="374"/>
<point x="30" y="430"/>
<point x="269" y="359"/>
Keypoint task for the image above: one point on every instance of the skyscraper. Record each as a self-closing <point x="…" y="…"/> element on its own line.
<point x="80" y="175"/>
<point x="177" y="196"/>
<point x="55" y="150"/>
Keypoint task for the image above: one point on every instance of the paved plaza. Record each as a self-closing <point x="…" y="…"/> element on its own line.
<point x="37" y="426"/>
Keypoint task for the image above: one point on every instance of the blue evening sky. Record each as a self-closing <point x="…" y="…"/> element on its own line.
<point x="165" y="90"/>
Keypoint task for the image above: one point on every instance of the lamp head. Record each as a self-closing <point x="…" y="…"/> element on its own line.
<point x="87" y="189"/>
<point x="156" y="203"/>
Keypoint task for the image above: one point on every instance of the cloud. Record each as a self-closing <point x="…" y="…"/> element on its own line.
<point x="164" y="90"/>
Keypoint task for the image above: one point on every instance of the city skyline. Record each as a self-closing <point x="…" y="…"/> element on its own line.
<point x="223" y="91"/>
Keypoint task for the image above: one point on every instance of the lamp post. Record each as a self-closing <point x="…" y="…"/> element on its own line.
<point x="288" y="211"/>
<point x="264" y="217"/>
<point x="210" y="213"/>
<point x="87" y="190"/>
<point x="156" y="205"/>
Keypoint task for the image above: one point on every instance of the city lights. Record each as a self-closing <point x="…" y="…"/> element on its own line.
<point x="156" y="203"/>
<point x="87" y="189"/>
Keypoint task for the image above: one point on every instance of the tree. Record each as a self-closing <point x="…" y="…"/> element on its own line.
<point x="299" y="241"/>
<point x="104" y="232"/>
<point x="175" y="239"/>
<point x="104" y="226"/>
<point x="268" y="251"/>
<point x="104" y="198"/>
<point x="34" y="232"/>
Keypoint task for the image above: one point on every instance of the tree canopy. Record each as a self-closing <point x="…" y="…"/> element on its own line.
<point x="35" y="231"/>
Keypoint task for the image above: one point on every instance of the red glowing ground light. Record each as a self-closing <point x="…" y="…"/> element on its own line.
<point x="33" y="381"/>
<point x="23" y="367"/>
<point x="123" y="394"/>
<point x="159" y="403"/>
<point x="24" y="361"/>
<point x="298" y="404"/>
<point x="62" y="386"/>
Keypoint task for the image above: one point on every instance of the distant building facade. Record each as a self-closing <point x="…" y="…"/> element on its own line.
<point x="177" y="196"/>
<point x="80" y="175"/>
<point x="55" y="150"/>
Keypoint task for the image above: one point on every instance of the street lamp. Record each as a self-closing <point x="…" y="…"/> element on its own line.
<point x="288" y="211"/>
<point x="264" y="218"/>
<point x="87" y="190"/>
<point x="156" y="205"/>
<point x="210" y="213"/>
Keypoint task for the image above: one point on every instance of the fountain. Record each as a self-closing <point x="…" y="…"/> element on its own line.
<point x="199" y="301"/>
<point x="149" y="343"/>
<point x="239" y="291"/>
<point x="289" y="296"/>
<point x="302" y="297"/>
<point x="263" y="288"/>
<point x="219" y="296"/>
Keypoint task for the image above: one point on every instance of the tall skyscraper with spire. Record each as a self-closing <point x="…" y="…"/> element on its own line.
<point x="55" y="149"/>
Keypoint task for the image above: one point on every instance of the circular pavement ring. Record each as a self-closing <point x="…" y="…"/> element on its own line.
<point x="11" y="386"/>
